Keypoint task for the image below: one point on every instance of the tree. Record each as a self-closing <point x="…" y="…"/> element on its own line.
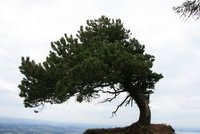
<point x="189" y="8"/>
<point x="102" y="58"/>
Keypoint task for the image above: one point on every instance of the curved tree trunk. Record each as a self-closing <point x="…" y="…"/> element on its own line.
<point x="145" y="113"/>
<point x="141" y="101"/>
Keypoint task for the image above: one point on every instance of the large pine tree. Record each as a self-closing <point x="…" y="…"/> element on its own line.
<point x="101" y="58"/>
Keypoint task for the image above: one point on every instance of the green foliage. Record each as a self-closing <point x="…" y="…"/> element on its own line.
<point x="189" y="8"/>
<point x="102" y="54"/>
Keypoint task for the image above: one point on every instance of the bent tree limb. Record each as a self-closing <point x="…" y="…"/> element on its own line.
<point x="142" y="103"/>
<point x="145" y="113"/>
<point x="124" y="101"/>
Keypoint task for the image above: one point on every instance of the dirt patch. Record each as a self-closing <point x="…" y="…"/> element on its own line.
<point x="134" y="129"/>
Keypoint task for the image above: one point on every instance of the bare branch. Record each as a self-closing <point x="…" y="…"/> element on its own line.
<point x="109" y="99"/>
<point x="111" y="92"/>
<point x="115" y="93"/>
<point x="128" y="101"/>
<point x="114" y="112"/>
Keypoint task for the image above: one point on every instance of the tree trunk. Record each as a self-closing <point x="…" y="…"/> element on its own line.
<point x="145" y="113"/>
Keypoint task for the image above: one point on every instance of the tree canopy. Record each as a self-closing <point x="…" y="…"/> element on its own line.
<point x="189" y="8"/>
<point x="101" y="58"/>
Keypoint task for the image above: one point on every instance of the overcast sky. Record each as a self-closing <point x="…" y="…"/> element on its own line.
<point x="28" y="26"/>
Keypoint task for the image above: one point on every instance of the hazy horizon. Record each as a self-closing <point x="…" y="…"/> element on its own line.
<point x="33" y="125"/>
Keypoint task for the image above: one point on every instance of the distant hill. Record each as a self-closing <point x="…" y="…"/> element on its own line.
<point x="18" y="126"/>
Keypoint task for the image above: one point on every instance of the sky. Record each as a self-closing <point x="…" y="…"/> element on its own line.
<point x="28" y="26"/>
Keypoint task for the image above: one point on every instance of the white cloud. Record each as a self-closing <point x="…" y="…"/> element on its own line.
<point x="5" y="85"/>
<point x="178" y="110"/>
<point x="3" y="53"/>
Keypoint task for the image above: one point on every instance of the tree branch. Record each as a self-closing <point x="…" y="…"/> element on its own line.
<point x="110" y="92"/>
<point x="109" y="99"/>
<point x="130" y="100"/>
<point x="115" y="93"/>
<point x="188" y="8"/>
<point x="114" y="112"/>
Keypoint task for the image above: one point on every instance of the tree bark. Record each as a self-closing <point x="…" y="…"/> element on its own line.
<point x="145" y="113"/>
<point x="142" y="102"/>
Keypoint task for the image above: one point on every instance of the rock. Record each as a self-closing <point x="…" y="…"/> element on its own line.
<point x="135" y="129"/>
